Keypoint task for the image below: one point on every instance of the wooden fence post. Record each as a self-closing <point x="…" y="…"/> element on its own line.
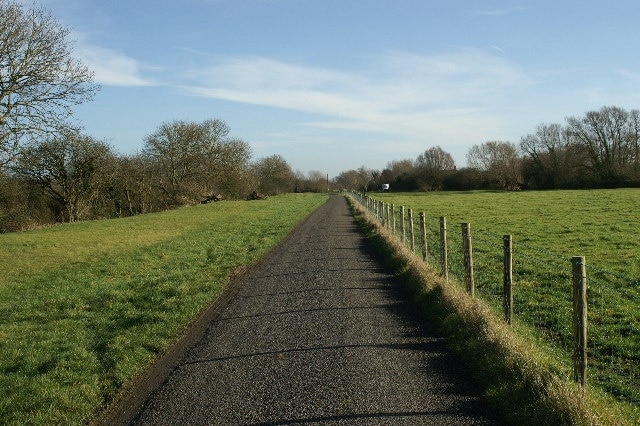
<point x="411" y="232"/>
<point x="579" y="319"/>
<point x="508" y="279"/>
<point x="402" y="227"/>
<point x="393" y="219"/>
<point x="388" y="216"/>
<point x="444" y="262"/>
<point x="423" y="231"/>
<point x="468" y="258"/>
<point x="385" y="217"/>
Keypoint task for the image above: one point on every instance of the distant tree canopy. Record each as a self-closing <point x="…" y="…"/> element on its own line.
<point x="599" y="149"/>
<point x="499" y="162"/>
<point x="362" y="179"/>
<point x="71" y="169"/>
<point x="273" y="175"/>
<point x="610" y="142"/>
<point x="69" y="176"/>
<point x="433" y="166"/>
<point x="191" y="160"/>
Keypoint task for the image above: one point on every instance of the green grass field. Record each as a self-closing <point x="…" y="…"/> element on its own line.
<point x="548" y="228"/>
<point x="86" y="306"/>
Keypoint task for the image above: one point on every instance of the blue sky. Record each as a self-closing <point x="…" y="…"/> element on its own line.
<point x="332" y="85"/>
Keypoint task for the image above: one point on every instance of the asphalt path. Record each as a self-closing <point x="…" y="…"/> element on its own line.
<point x="320" y="332"/>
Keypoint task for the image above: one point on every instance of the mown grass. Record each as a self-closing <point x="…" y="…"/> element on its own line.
<point x="520" y="373"/>
<point x="85" y="307"/>
<point x="548" y="228"/>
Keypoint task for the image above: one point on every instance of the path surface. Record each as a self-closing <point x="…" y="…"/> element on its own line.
<point x="319" y="333"/>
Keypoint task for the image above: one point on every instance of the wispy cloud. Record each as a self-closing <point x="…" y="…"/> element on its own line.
<point x="112" y="68"/>
<point x="443" y="96"/>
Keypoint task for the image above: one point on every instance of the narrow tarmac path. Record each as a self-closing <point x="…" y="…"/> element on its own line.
<point x="319" y="333"/>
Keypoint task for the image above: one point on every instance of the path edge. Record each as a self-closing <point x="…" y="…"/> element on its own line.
<point x="133" y="394"/>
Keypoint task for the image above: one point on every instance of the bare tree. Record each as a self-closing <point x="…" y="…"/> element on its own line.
<point x="610" y="137"/>
<point x="40" y="80"/>
<point x="69" y="168"/>
<point x="633" y="143"/>
<point x="499" y="161"/>
<point x="191" y="160"/>
<point x="552" y="160"/>
<point x="362" y="179"/>
<point x="401" y="175"/>
<point x="349" y="180"/>
<point x="433" y="166"/>
<point x="129" y="190"/>
<point x="274" y="175"/>
<point x="316" y="181"/>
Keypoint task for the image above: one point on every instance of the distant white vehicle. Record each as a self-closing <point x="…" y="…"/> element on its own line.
<point x="385" y="186"/>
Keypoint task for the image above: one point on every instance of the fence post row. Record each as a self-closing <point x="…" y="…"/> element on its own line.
<point x="444" y="262"/>
<point x="579" y="275"/>
<point x="579" y="319"/>
<point x="468" y="258"/>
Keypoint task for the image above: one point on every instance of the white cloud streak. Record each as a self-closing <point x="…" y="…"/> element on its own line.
<point x="441" y="97"/>
<point x="112" y="68"/>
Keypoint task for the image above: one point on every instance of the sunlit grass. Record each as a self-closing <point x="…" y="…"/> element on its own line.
<point x="548" y="228"/>
<point x="524" y="376"/>
<point x="598" y="224"/>
<point x="84" y="307"/>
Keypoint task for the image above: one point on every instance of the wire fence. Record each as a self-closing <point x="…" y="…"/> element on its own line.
<point x="542" y="292"/>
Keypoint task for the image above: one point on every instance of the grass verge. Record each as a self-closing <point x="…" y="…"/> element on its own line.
<point x="549" y="227"/>
<point x="85" y="307"/>
<point x="519" y="374"/>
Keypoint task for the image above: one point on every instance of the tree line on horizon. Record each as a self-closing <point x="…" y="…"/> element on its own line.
<point x="69" y="176"/>
<point x="51" y="171"/>
<point x="600" y="149"/>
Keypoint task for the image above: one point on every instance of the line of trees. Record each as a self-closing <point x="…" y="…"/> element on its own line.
<point x="50" y="171"/>
<point x="70" y="176"/>
<point x="601" y="149"/>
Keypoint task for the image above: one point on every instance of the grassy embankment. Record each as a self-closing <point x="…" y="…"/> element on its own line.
<point x="85" y="307"/>
<point x="597" y="224"/>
